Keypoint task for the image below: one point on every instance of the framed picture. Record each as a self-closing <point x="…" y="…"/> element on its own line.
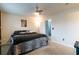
<point x="23" y="23"/>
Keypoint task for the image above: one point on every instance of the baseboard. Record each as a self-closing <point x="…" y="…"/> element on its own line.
<point x="62" y="44"/>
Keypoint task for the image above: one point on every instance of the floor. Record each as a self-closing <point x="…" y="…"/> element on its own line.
<point x="54" y="49"/>
<point x="4" y="49"/>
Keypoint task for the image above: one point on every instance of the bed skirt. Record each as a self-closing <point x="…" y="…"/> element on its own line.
<point x="25" y="47"/>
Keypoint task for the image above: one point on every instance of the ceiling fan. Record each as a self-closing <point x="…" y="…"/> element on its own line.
<point x="67" y="3"/>
<point x="38" y="10"/>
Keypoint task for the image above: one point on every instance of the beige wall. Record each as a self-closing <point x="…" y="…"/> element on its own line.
<point x="66" y="25"/>
<point x="10" y="23"/>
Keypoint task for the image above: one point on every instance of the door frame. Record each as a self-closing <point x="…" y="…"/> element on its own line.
<point x="0" y="32"/>
<point x="48" y="27"/>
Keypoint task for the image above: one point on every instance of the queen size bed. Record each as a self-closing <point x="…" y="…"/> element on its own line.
<point x="23" y="42"/>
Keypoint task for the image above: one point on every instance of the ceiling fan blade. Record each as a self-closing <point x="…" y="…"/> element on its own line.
<point x="67" y="3"/>
<point x="40" y="10"/>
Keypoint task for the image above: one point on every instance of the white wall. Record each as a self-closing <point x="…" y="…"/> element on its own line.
<point x="66" y="25"/>
<point x="10" y="23"/>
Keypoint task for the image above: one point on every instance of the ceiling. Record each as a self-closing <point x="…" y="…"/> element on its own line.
<point x="29" y="8"/>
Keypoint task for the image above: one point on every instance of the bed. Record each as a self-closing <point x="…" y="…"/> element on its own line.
<point x="23" y="42"/>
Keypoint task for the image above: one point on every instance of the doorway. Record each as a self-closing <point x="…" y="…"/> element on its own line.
<point x="48" y="27"/>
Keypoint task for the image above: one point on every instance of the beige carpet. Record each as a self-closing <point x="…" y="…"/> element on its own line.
<point x="53" y="49"/>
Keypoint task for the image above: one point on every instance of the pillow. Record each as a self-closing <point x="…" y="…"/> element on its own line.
<point x="20" y="32"/>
